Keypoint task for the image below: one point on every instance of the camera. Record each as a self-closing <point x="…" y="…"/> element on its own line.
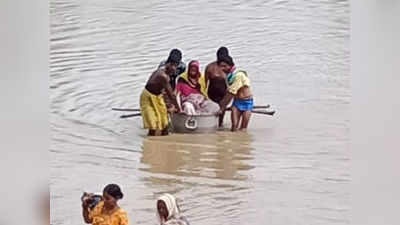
<point x="91" y="199"/>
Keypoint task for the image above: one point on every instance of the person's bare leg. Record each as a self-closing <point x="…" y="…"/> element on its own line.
<point x="235" y="118"/>
<point x="245" y="120"/>
<point x="151" y="132"/>
<point x="221" y="119"/>
<point x="165" y="132"/>
<point x="240" y="118"/>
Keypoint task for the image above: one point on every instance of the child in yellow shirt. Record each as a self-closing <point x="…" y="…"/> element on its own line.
<point x="239" y="90"/>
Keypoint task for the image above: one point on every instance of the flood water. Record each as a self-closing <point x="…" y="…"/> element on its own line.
<point x="292" y="168"/>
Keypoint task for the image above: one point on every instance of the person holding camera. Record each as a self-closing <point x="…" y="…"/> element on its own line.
<point x="104" y="210"/>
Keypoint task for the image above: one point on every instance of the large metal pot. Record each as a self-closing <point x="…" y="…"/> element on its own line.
<point x="182" y="123"/>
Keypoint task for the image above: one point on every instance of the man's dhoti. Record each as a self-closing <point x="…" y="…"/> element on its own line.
<point x="154" y="111"/>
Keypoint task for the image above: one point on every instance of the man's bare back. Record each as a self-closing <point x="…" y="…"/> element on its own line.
<point x="157" y="82"/>
<point x="215" y="78"/>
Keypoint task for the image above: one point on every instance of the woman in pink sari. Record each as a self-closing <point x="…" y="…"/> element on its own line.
<point x="192" y="88"/>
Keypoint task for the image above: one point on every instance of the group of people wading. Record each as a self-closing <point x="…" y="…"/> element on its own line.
<point x="198" y="93"/>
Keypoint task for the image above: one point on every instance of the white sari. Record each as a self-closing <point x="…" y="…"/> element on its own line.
<point x="174" y="216"/>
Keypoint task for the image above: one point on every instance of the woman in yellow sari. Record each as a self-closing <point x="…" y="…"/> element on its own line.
<point x="107" y="211"/>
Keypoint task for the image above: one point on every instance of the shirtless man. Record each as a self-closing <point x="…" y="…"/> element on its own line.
<point x="152" y="104"/>
<point x="215" y="79"/>
<point x="239" y="90"/>
<point x="180" y="69"/>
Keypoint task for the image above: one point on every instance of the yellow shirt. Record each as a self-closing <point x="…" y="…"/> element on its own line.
<point x="118" y="217"/>
<point x="240" y="81"/>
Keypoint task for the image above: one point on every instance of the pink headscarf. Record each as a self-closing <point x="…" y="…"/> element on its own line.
<point x="196" y="64"/>
<point x="184" y="87"/>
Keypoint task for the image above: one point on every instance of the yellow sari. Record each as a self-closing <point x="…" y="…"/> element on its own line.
<point x="118" y="217"/>
<point x="202" y="82"/>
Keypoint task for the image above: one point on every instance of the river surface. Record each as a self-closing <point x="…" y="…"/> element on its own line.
<point x="292" y="168"/>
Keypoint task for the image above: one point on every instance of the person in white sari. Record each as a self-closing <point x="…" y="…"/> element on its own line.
<point x="168" y="212"/>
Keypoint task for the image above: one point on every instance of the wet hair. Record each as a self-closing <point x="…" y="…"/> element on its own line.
<point x="175" y="56"/>
<point x="221" y="52"/>
<point x="113" y="190"/>
<point x="226" y="59"/>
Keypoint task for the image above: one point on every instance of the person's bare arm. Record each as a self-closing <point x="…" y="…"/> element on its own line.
<point x="169" y="91"/>
<point x="206" y="75"/>
<point x="225" y="100"/>
<point x="85" y="213"/>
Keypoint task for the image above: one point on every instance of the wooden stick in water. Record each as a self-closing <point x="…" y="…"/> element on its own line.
<point x="138" y="110"/>
<point x="126" y="110"/>
<point x="261" y="106"/>
<point x="130" y="115"/>
<point x="271" y="113"/>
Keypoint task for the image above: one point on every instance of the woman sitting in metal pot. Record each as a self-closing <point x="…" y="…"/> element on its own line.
<point x="192" y="89"/>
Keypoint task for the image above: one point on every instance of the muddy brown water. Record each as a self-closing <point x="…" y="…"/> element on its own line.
<point x="292" y="168"/>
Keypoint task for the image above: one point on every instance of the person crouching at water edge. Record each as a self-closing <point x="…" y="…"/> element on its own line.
<point x="168" y="212"/>
<point x="238" y="89"/>
<point x="192" y="89"/>
<point x="107" y="211"/>
<point x="152" y="105"/>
